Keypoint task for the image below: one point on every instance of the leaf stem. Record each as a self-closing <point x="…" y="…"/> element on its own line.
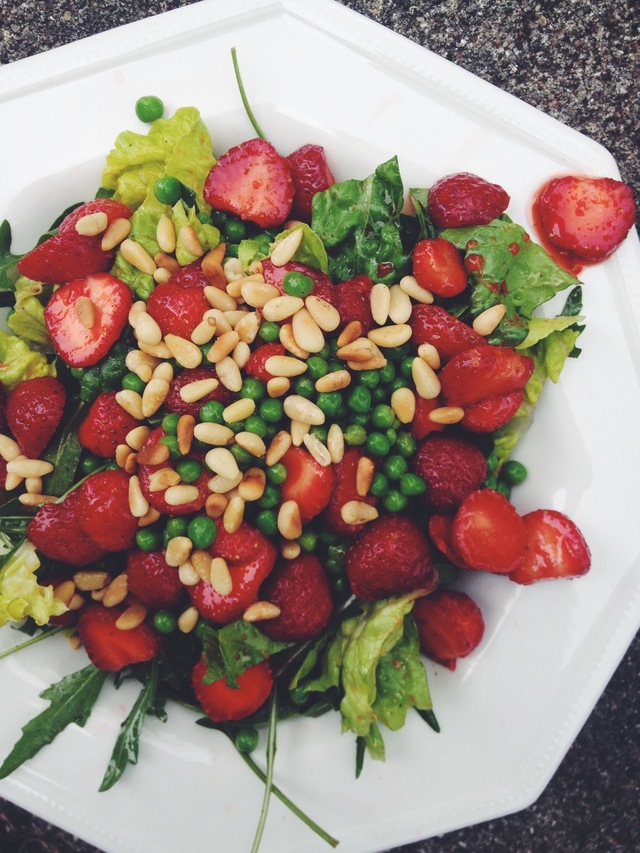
<point x="31" y="641"/>
<point x="268" y="782"/>
<point x="243" y="95"/>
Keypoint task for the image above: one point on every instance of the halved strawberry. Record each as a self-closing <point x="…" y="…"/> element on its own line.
<point x="308" y="483"/>
<point x="451" y="467"/>
<point x="450" y="625"/>
<point x="34" y="410"/>
<point x="441" y="535"/>
<point x="489" y="533"/>
<point x="556" y="548"/>
<point x="311" y="174"/>
<point x="177" y="310"/>
<point x="253" y="182"/>
<point x="484" y="371"/>
<point x="390" y="557"/>
<point x="55" y="531"/>
<point x="105" y="426"/>
<point x="431" y="324"/>
<point x="464" y="199"/>
<point x="156" y="497"/>
<point x="104" y="512"/>
<point x="490" y="414"/>
<point x="69" y="255"/>
<point x="256" y="365"/>
<point x="584" y="216"/>
<point x="353" y="300"/>
<point x="323" y="287"/>
<point x="111" y="648"/>
<point x="174" y="401"/>
<point x="301" y="589"/>
<point x="222" y="703"/>
<point x="422" y="425"/>
<point x="79" y="344"/>
<point x="190" y="275"/>
<point x="344" y="491"/>
<point x="438" y="266"/>
<point x="151" y="579"/>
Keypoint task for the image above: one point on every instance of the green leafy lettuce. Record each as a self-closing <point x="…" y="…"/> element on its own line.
<point x="311" y="250"/>
<point x="230" y="650"/>
<point x="27" y="318"/>
<point x="20" y="593"/>
<point x="19" y="362"/>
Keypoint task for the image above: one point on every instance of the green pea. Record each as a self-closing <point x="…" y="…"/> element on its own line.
<point x="211" y="412"/>
<point x="176" y="527"/>
<point x="149" y="539"/>
<point x="277" y="473"/>
<point x="269" y="332"/>
<point x="399" y="353"/>
<point x="256" y="425"/>
<point x="360" y="399"/>
<point x="90" y="463"/>
<point x="377" y="444"/>
<point x="382" y="417"/>
<point x="296" y="283"/>
<point x="360" y="419"/>
<point x="398" y="382"/>
<point x="317" y="367"/>
<point x="305" y="387"/>
<point x="337" y="551"/>
<point x="189" y="470"/>
<point x="513" y="472"/>
<point x="252" y="388"/>
<point x="149" y="108"/>
<point x="369" y="378"/>
<point x="340" y="583"/>
<point x="202" y="531"/>
<point x="246" y="740"/>
<point x="395" y="466"/>
<point x="308" y="540"/>
<point x="270" y="497"/>
<point x="235" y="231"/>
<point x="232" y="250"/>
<point x="321" y="433"/>
<point x="355" y="435"/>
<point x="411" y="484"/>
<point x="165" y="622"/>
<point x="395" y="501"/>
<point x="406" y="366"/>
<point x="168" y="190"/>
<point x="172" y="443"/>
<point x="387" y="373"/>
<point x="329" y="402"/>
<point x="271" y="410"/>
<point x="242" y="456"/>
<point x="379" y="395"/>
<point x="379" y="487"/>
<point x="406" y="445"/>
<point x="334" y="567"/>
<point x="325" y="352"/>
<point x="504" y="489"/>
<point x="132" y="382"/>
<point x="491" y="482"/>
<point x="267" y="522"/>
<point x="170" y="423"/>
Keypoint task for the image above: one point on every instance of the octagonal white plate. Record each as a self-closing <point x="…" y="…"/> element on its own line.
<point x="316" y="72"/>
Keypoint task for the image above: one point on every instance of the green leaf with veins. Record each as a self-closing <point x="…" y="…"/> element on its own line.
<point x="231" y="650"/>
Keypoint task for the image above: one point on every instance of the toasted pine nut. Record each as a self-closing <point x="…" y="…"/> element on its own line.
<point x="400" y="305"/>
<point x="190" y="241"/>
<point x="86" y="311"/>
<point x="204" y="331"/>
<point x="153" y="454"/>
<point x="76" y="602"/>
<point x="220" y="485"/>
<point x="178" y="550"/>
<point x="185" y="352"/>
<point x="220" y="576"/>
<point x="166" y="235"/>
<point x="147" y="330"/>
<point x="136" y="437"/>
<point x="162" y="276"/>
<point x="29" y="499"/>
<point x="137" y="256"/>
<point x="317" y="449"/>
<point x="65" y="592"/>
<point x="430" y="354"/>
<point x="223" y="346"/>
<point x="285" y="365"/>
<point x="490" y="319"/>
<point x="219" y="299"/>
<point x="92" y="224"/>
<point x="241" y="354"/>
<point x="216" y="434"/>
<point x="150" y="517"/>
<point x="184" y="433"/>
<point x="281" y="308"/>
<point x="132" y="617"/>
<point x="252" y="485"/>
<point x="239" y="410"/>
<point x="233" y="514"/>
<point x="300" y="409"/>
<point x="139" y="307"/>
<point x="290" y="550"/>
<point x="138" y="504"/>
<point x="181" y="494"/>
<point x="9" y="449"/>
<point x="350" y="333"/>
<point x="141" y="363"/>
<point x="213" y="272"/>
<point x="360" y="350"/>
<point x="247" y="328"/>
<point x="24" y="467"/>
<point x="166" y="262"/>
<point x="222" y="461"/>
<point x="131" y="402"/>
<point x="257" y="293"/>
<point x="160" y="350"/>
<point x="74" y="642"/>
<point x="358" y="512"/>
<point x="289" y="342"/>
<point x="335" y="443"/>
<point x="194" y="391"/>
<point x="163" y="370"/>
<point x="153" y="396"/>
<point x="380" y="299"/>
<point x="289" y="521"/>
<point x="323" y="312"/>
<point x="446" y="415"/>
<point x="162" y="478"/>
<point x="117" y="231"/>
<point x="229" y="374"/>
<point x="215" y="505"/>
<point x="261" y="610"/>
<point x="88" y="580"/>
<point x="364" y="475"/>
<point x="286" y="248"/>
<point x="411" y="287"/>
<point x="333" y="381"/>
<point x="188" y="620"/>
<point x="123" y="451"/>
<point x="403" y="403"/>
<point x="280" y="443"/>
<point x="426" y="382"/>
<point x="278" y="386"/>
<point x="116" y="592"/>
<point x="252" y="443"/>
<point x="390" y="336"/>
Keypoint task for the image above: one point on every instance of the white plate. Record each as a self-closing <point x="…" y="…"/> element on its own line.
<point x="318" y="72"/>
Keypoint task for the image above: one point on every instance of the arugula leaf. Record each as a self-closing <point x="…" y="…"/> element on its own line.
<point x="72" y="700"/>
<point x="231" y="650"/>
<point x="419" y="199"/>
<point x="359" y="224"/>
<point x="127" y="743"/>
<point x="7" y="259"/>
<point x="65" y="456"/>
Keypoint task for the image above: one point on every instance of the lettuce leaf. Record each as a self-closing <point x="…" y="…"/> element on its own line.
<point x="18" y="362"/>
<point x="231" y="650"/>
<point x="311" y="250"/>
<point x="20" y="593"/>
<point x="27" y="319"/>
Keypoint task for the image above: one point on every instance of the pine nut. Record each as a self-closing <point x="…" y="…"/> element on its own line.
<point x="154" y="395"/>
<point x="178" y="550"/>
<point x="136" y="437"/>
<point x="400" y="307"/>
<point x="333" y="381"/>
<point x="289" y="342"/>
<point x="153" y="454"/>
<point x="223" y="346"/>
<point x="184" y="433"/>
<point x="163" y="478"/>
<point x="490" y="319"/>
<point x="229" y="374"/>
<point x="446" y="415"/>
<point x="351" y="332"/>
<point x="280" y="443"/>
<point x="257" y="293"/>
<point x="122" y="454"/>
<point x="220" y="576"/>
<point x="286" y="248"/>
<point x="364" y="475"/>
<point x="204" y="331"/>
<point x="117" y="231"/>
<point x="190" y="241"/>
<point x="201" y="561"/>
<point x="241" y="354"/>
<point x="252" y="485"/>
<point x="234" y="290"/>
<point x="187" y="574"/>
<point x="261" y="610"/>
<point x="88" y="580"/>
<point x="65" y="592"/>
<point x="360" y="350"/>
<point x="188" y="620"/>
<point x="147" y="330"/>
<point x="181" y="494"/>
<point x="160" y="351"/>
<point x="220" y="485"/>
<point x="390" y="336"/>
<point x="74" y="642"/>
<point x="86" y="311"/>
<point x="380" y="299"/>
<point x="166" y="262"/>
<point x="212" y="270"/>
<point x="132" y="617"/>
<point x="141" y="363"/>
<point x="426" y="382"/>
<point x="12" y="481"/>
<point x="289" y="521"/>
<point x="411" y="287"/>
<point x="233" y="269"/>
<point x="430" y="354"/>
<point x="317" y="449"/>
<point x="116" y="592"/>
<point x="150" y="517"/>
<point x="323" y="312"/>
<point x="33" y="485"/>
<point x="358" y="512"/>
<point x="233" y="514"/>
<point x="76" y="602"/>
<point x="29" y="499"/>
<point x="252" y="443"/>
<point x="403" y="403"/>
<point x="197" y="390"/>
<point x="300" y="409"/>
<point x="24" y="467"/>
<point x="215" y="505"/>
<point x="216" y="434"/>
<point x="281" y="308"/>
<point x="166" y="235"/>
<point x="219" y="299"/>
<point x="9" y="449"/>
<point x="335" y="443"/>
<point x="284" y="365"/>
<point x="139" y="307"/>
<point x="222" y="461"/>
<point x="186" y="353"/>
<point x="137" y="256"/>
<point x="161" y="276"/>
<point x="248" y="327"/>
<point x="278" y="386"/>
<point x="163" y="370"/>
<point x="92" y="224"/>
<point x="290" y="550"/>
<point x="222" y="324"/>
<point x="138" y="504"/>
<point x="298" y="431"/>
<point x="306" y="331"/>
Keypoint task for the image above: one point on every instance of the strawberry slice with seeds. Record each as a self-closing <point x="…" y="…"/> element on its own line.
<point x="308" y="483"/>
<point x="492" y="413"/>
<point x="104" y="513"/>
<point x="431" y="324"/>
<point x="438" y="267"/>
<point x="157" y="496"/>
<point x="352" y="298"/>
<point x="556" y="548"/>
<point x="301" y="589"/>
<point x="105" y="426"/>
<point x="151" y="579"/>
<point x="422" y="425"/>
<point x="344" y="491"/>
<point x="311" y="174"/>
<point x="111" y="648"/>
<point x="222" y="703"/>
<point x="56" y="532"/>
<point x="253" y="182"/>
<point x="450" y="625"/>
<point x="177" y="309"/>
<point x="451" y="467"/>
<point x="86" y="317"/>
<point x="34" y="410"/>
<point x="484" y="371"/>
<point x="488" y="532"/>
<point x="463" y="199"/>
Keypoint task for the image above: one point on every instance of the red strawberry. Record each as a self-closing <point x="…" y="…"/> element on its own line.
<point x="174" y="401"/>
<point x="105" y="426"/>
<point x="422" y="425"/>
<point x="311" y="174"/>
<point x="452" y="467"/>
<point x="465" y="199"/>
<point x="55" y="531"/>
<point x="3" y="480"/>
<point x="250" y="557"/>
<point x="390" y="557"/>
<point x="104" y="513"/>
<point x="308" y="483"/>
<point x="450" y="625"/>
<point x="111" y="648"/>
<point x="323" y="287"/>
<point x="488" y="533"/>
<point x="345" y="491"/>
<point x="586" y="217"/>
<point x="34" y="410"/>
<point x="484" y="371"/>
<point x="3" y="410"/>
<point x="157" y="499"/>
<point x="177" y="310"/>
<point x="438" y="266"/>
<point x="353" y="301"/>
<point x="76" y="344"/>
<point x="190" y="275"/>
<point x="256" y="365"/>
<point x="492" y="413"/>
<point x="431" y="324"/>
<point x="151" y="579"/>
<point x="441" y="534"/>
<point x="555" y="548"/>
<point x="253" y="182"/>
<point x="69" y="255"/>
<point x="301" y="589"/>
<point x="222" y="703"/>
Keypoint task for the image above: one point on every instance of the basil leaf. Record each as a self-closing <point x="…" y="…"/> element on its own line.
<point x="231" y="650"/>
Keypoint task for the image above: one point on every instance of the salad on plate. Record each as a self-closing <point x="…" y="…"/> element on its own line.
<point x="257" y="426"/>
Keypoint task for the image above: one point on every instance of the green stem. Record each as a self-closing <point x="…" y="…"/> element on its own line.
<point x="31" y="641"/>
<point x="243" y="95"/>
<point x="268" y="782"/>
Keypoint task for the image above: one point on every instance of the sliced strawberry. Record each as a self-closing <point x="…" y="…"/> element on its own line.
<point x="256" y="365"/>
<point x="3" y="410"/>
<point x="584" y="216"/>
<point x="323" y="287"/>
<point x="311" y="174"/>
<point x="111" y="648"/>
<point x="253" y="182"/>
<point x="308" y="483"/>
<point x="301" y="589"/>
<point x="488" y="533"/>
<point x="555" y="548"/>
<point x="222" y="703"/>
<point x="190" y="275"/>
<point x="69" y="255"/>
<point x="157" y="498"/>
<point x="250" y="557"/>
<point x="431" y="324"/>
<point x="353" y="301"/>
<point x="151" y="579"/>
<point x="484" y="371"/>
<point x="450" y="625"/>
<point x="439" y="267"/>
<point x="34" y="410"/>
<point x="451" y="467"/>
<point x="390" y="557"/>
<point x="104" y="513"/>
<point x="75" y="343"/>
<point x="105" y="426"/>
<point x="174" y="401"/>
<point x="56" y="532"/>
<point x="456" y="201"/>
<point x="422" y="425"/>
<point x="441" y="534"/>
<point x="176" y="309"/>
<point x="492" y="413"/>
<point x="344" y="491"/>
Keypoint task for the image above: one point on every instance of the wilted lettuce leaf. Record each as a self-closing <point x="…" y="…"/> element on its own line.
<point x="18" y="362"/>
<point x="20" y="593"/>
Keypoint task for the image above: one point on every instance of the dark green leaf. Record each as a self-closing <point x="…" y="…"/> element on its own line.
<point x="361" y="748"/>
<point x="430" y="719"/>
<point x="7" y="259"/>
<point x="419" y="198"/>
<point x="231" y="650"/>
<point x="65" y="456"/>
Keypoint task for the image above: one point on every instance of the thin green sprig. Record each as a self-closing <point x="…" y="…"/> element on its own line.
<point x="268" y="782"/>
<point x="243" y="95"/>
<point x="31" y="641"/>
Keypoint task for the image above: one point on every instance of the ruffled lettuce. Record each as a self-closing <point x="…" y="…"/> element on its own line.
<point x="18" y="362"/>
<point x="20" y="593"/>
<point x="27" y="319"/>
